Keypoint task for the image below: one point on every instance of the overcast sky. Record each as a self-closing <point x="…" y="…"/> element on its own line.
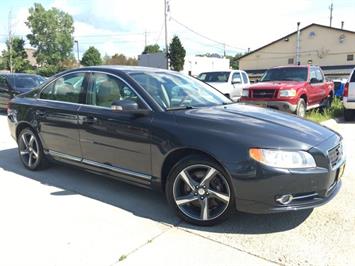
<point x="119" y="26"/>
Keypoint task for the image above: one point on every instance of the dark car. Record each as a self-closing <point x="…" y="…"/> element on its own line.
<point x="12" y="84"/>
<point x="162" y="130"/>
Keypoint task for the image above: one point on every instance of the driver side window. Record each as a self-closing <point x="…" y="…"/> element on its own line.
<point x="107" y="89"/>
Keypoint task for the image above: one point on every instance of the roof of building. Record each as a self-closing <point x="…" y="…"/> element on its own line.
<point x="284" y="37"/>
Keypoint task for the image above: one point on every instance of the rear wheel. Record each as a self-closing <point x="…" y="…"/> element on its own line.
<point x="30" y="150"/>
<point x="348" y="114"/>
<point x="200" y="191"/>
<point x="301" y="108"/>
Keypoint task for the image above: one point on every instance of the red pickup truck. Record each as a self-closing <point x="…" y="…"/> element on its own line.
<point x="294" y="89"/>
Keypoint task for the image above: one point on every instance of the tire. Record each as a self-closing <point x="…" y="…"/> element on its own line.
<point x="301" y="108"/>
<point x="328" y="102"/>
<point x="348" y="114"/>
<point x="200" y="191"/>
<point x="30" y="150"/>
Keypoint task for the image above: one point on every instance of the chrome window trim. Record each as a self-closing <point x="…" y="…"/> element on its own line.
<point x="99" y="165"/>
<point x="82" y="104"/>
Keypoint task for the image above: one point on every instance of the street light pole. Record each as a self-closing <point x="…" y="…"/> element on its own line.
<point x="77" y="51"/>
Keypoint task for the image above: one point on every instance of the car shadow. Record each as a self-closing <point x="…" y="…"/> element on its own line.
<point x="142" y="202"/>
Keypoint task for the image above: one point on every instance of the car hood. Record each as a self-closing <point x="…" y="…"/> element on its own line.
<point x="278" y="85"/>
<point x="263" y="127"/>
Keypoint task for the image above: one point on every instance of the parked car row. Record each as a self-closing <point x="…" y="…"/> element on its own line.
<point x="162" y="130"/>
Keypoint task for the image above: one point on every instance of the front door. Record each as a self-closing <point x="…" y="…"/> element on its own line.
<point x="115" y="140"/>
<point x="316" y="88"/>
<point x="57" y="115"/>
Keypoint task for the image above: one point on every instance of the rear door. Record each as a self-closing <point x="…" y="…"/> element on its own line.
<point x="5" y="92"/>
<point x="117" y="141"/>
<point x="237" y="84"/>
<point x="57" y="115"/>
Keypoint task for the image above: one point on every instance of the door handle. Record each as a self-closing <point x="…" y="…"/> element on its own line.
<point x="90" y="120"/>
<point x="40" y="113"/>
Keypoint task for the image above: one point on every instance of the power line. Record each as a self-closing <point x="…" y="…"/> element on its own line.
<point x="206" y="37"/>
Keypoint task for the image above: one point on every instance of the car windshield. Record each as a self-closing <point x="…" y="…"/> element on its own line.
<point x="214" y="76"/>
<point x="177" y="91"/>
<point x="26" y="82"/>
<point x="286" y="73"/>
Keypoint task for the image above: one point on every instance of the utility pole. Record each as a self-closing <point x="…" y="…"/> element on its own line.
<point x="298" y="44"/>
<point x="224" y="50"/>
<point x="331" y="14"/>
<point x="10" y="39"/>
<point x="145" y="39"/>
<point x="166" y="10"/>
<point x="77" y="51"/>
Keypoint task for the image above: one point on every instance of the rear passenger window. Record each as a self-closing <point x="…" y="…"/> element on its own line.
<point x="245" y="78"/>
<point x="65" y="89"/>
<point x="352" y="79"/>
<point x="319" y="75"/>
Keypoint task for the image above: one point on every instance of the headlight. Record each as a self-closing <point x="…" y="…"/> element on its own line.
<point x="288" y="93"/>
<point x="245" y="93"/>
<point x="283" y="159"/>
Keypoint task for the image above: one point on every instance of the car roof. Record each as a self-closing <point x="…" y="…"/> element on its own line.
<point x="126" y="69"/>
<point x="19" y="74"/>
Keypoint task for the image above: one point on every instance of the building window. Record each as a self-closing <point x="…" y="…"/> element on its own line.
<point x="291" y="61"/>
<point x="350" y="57"/>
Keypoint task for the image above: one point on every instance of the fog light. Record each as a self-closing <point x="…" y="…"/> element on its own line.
<point x="285" y="199"/>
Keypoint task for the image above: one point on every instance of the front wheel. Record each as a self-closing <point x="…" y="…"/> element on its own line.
<point x="30" y="150"/>
<point x="301" y="108"/>
<point x="200" y="191"/>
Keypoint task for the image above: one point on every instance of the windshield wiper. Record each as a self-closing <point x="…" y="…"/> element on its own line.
<point x="179" y="108"/>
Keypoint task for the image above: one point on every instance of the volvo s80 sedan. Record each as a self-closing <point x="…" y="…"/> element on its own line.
<point x="162" y="130"/>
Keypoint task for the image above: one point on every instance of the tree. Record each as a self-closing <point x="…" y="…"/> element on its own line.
<point x="234" y="60"/>
<point x="51" y="35"/>
<point x="121" y="59"/>
<point x="91" y="57"/>
<point x="18" y="54"/>
<point x="176" y="54"/>
<point x="152" y="49"/>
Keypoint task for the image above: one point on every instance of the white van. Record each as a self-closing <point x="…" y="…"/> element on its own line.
<point x="349" y="97"/>
<point x="231" y="83"/>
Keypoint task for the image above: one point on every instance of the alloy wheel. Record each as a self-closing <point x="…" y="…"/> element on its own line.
<point x="201" y="192"/>
<point x="29" y="149"/>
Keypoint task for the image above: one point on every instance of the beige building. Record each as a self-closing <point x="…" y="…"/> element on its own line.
<point x="331" y="48"/>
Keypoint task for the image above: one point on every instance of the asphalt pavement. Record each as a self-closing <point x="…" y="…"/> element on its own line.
<point x="66" y="216"/>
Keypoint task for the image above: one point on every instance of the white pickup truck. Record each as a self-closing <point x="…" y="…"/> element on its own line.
<point x="349" y="97"/>
<point x="231" y="83"/>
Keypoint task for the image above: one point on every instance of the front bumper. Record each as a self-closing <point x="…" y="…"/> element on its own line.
<point x="279" y="105"/>
<point x="258" y="186"/>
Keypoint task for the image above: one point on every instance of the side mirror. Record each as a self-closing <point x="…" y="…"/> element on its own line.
<point x="128" y="106"/>
<point x="124" y="105"/>
<point x="236" y="81"/>
<point x="313" y="80"/>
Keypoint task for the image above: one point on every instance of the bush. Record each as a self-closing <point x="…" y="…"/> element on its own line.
<point x="323" y="114"/>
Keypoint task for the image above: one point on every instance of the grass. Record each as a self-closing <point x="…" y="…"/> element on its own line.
<point x="322" y="114"/>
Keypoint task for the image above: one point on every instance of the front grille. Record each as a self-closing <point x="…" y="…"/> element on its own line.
<point x="263" y="94"/>
<point x="335" y="154"/>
